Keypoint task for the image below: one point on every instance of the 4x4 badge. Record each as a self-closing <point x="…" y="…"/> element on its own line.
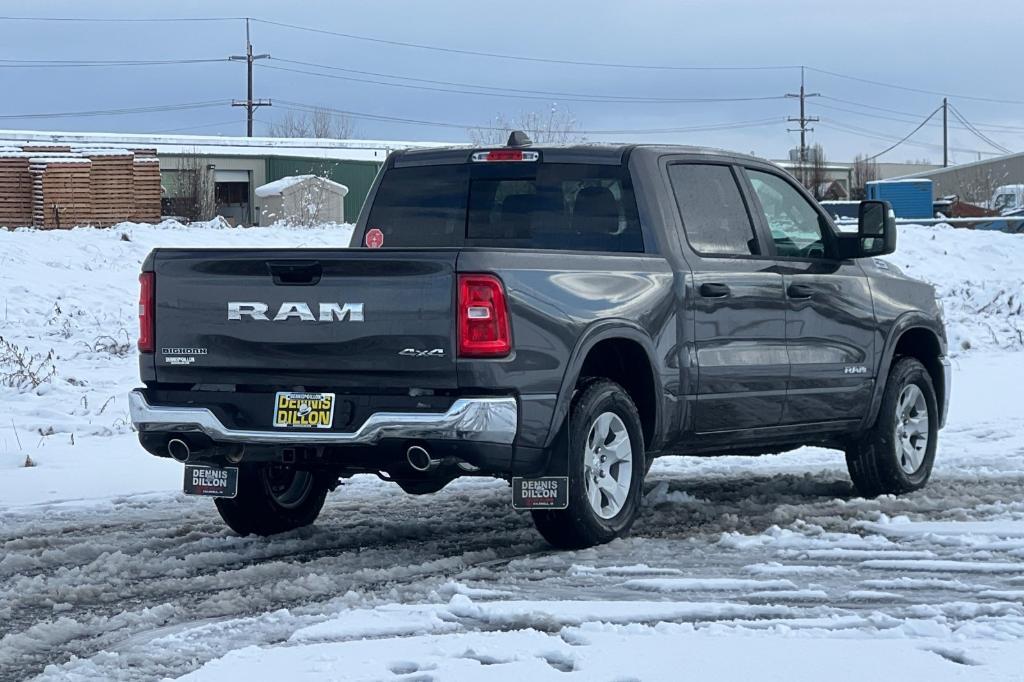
<point x="415" y="353"/>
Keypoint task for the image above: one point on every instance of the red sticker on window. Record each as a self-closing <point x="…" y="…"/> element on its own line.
<point x="374" y="238"/>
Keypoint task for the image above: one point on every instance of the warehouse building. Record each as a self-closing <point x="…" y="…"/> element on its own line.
<point x="977" y="182"/>
<point x="231" y="168"/>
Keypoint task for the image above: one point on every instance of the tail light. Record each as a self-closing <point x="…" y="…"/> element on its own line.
<point x="147" y="303"/>
<point x="484" y="330"/>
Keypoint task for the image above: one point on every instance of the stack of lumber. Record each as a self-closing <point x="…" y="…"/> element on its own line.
<point x="62" y="194"/>
<point x="146" y="188"/>
<point x="15" y="189"/>
<point x="55" y="185"/>
<point x="112" y="179"/>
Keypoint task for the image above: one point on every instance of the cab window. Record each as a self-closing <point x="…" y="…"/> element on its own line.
<point x="795" y="225"/>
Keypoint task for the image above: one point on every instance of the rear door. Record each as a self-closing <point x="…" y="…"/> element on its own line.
<point x="309" y="318"/>
<point x="736" y="300"/>
<point x="829" y="312"/>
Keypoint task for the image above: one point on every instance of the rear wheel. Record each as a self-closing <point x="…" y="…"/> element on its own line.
<point x="897" y="454"/>
<point x="274" y="498"/>
<point x="606" y="469"/>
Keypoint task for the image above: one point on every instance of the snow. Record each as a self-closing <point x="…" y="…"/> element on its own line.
<point x="279" y="186"/>
<point x="739" y="568"/>
<point x="217" y="145"/>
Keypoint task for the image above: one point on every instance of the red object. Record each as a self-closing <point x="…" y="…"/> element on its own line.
<point x="147" y="303"/>
<point x="374" y="238"/>
<point x="484" y="330"/>
<point x="505" y="155"/>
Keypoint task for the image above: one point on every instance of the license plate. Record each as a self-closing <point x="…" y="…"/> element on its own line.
<point x="546" y="492"/>
<point x="211" y="481"/>
<point x="303" y="410"/>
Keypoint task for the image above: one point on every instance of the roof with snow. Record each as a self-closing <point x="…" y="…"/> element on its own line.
<point x="280" y="186"/>
<point x="215" y="145"/>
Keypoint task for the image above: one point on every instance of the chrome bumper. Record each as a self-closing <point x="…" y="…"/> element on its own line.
<point x="488" y="420"/>
<point x="947" y="376"/>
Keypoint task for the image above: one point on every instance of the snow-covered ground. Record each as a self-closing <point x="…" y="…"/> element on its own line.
<point x="739" y="568"/>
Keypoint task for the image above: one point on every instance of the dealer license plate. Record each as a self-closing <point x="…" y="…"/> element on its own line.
<point x="211" y="481"/>
<point x="303" y="410"/>
<point x="546" y="492"/>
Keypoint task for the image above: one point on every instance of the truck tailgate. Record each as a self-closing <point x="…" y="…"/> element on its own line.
<point x="356" y="318"/>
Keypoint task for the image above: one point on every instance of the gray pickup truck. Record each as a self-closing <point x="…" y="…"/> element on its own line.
<point x="556" y="316"/>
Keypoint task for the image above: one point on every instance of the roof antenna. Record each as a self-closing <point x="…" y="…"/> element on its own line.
<point x="518" y="139"/>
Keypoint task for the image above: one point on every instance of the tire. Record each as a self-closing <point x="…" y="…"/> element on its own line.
<point x="274" y="498"/>
<point x="891" y="458"/>
<point x="580" y="524"/>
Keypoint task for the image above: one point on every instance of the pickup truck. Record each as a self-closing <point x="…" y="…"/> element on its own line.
<point x="556" y="316"/>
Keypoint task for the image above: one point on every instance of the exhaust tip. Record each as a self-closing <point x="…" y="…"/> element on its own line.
<point x="235" y="456"/>
<point x="419" y="459"/>
<point x="179" y="450"/>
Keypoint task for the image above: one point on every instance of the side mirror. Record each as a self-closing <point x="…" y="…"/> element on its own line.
<point x="876" y="232"/>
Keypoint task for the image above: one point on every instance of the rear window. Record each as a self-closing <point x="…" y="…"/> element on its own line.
<point x="518" y="205"/>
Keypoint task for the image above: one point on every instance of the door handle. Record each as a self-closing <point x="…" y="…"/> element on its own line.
<point x="799" y="291"/>
<point x="714" y="290"/>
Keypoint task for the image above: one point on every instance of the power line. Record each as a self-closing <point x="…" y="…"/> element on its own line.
<point x="303" y="107"/>
<point x="121" y="20"/>
<point x="981" y="136"/>
<point x="911" y="89"/>
<point x="841" y="126"/>
<point x="515" y="91"/>
<point x="118" y="112"/>
<point x="69" y="63"/>
<point x="689" y="100"/>
<point x="524" y="58"/>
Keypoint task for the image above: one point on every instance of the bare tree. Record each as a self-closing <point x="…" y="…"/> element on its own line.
<point x="865" y="170"/>
<point x="192" y="196"/>
<point x="977" y="184"/>
<point x="815" y="174"/>
<point x="553" y="125"/>
<point x="319" y="122"/>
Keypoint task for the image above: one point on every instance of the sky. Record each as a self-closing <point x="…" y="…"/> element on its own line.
<point x="964" y="50"/>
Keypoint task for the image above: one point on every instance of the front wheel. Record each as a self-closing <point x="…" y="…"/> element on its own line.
<point x="606" y="469"/>
<point x="274" y="498"/>
<point x="897" y="454"/>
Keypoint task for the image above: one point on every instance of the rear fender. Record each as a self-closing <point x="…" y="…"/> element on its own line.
<point x="594" y="334"/>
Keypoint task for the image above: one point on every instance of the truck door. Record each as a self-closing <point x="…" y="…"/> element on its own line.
<point x="829" y="314"/>
<point x="736" y="301"/>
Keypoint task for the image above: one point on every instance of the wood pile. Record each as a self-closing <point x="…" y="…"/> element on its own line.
<point x="112" y="181"/>
<point x="53" y="185"/>
<point x="146" y="186"/>
<point x="15" y="189"/>
<point x="62" y="194"/>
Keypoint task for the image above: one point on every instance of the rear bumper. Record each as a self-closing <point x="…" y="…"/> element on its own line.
<point x="485" y="420"/>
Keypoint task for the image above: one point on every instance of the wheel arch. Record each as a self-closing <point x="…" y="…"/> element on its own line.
<point x="614" y="347"/>
<point x="917" y="336"/>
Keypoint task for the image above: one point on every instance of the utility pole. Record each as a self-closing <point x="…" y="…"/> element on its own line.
<point x="945" y="132"/>
<point x="249" y="103"/>
<point x="803" y="120"/>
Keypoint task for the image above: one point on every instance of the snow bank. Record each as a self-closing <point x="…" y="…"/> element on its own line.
<point x="979" y="277"/>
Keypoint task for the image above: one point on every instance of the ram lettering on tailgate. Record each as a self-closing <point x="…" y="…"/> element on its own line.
<point x="328" y="312"/>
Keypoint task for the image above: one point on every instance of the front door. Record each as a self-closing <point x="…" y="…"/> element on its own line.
<point x="736" y="301"/>
<point x="829" y="313"/>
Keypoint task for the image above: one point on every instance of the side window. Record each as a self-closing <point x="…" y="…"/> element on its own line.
<point x="715" y="217"/>
<point x="794" y="223"/>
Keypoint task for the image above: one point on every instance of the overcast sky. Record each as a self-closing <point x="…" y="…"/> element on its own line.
<point x="973" y="50"/>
